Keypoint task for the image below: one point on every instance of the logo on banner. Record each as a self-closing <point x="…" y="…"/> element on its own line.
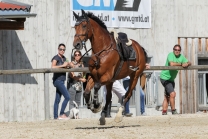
<point x="109" y="5"/>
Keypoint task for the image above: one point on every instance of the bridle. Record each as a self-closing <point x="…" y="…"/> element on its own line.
<point x="83" y="42"/>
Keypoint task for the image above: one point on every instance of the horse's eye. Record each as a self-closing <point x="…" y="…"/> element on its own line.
<point x="84" y="26"/>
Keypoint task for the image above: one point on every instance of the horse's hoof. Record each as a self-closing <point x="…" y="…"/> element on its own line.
<point x="91" y="107"/>
<point x="88" y="106"/>
<point x="96" y="110"/>
<point x="102" y="119"/>
<point x="119" y="116"/>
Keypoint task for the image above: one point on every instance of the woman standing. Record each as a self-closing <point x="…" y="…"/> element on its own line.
<point x="59" y="61"/>
<point x="75" y="80"/>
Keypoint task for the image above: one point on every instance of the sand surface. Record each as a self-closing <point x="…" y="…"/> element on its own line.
<point x="191" y="126"/>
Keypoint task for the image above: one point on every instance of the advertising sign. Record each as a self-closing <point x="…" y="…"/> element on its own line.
<point x="116" y="13"/>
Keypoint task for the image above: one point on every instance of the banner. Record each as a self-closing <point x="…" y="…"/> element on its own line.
<point x="116" y="13"/>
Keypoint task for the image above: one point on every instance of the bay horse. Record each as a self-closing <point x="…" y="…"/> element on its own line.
<point x="104" y="64"/>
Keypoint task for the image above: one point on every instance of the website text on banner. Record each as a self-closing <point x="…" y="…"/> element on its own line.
<point x="116" y="13"/>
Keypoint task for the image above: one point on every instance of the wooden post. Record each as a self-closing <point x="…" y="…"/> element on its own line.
<point x="46" y="96"/>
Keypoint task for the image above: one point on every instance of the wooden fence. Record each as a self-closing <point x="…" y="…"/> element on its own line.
<point x="85" y="69"/>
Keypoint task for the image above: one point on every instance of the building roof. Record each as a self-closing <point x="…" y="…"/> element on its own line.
<point x="13" y="14"/>
<point x="14" y="9"/>
<point x="9" y="6"/>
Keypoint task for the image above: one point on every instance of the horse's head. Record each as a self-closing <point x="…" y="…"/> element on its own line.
<point x="82" y="29"/>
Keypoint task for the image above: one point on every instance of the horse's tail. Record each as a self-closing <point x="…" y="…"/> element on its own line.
<point x="145" y="53"/>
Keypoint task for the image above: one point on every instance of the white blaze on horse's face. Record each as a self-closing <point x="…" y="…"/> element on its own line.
<point x="81" y="35"/>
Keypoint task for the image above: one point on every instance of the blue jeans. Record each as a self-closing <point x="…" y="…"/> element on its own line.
<point x="126" y="86"/>
<point x="60" y="90"/>
<point x="142" y="97"/>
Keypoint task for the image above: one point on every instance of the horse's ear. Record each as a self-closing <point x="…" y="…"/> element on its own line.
<point x="75" y="15"/>
<point x="83" y="12"/>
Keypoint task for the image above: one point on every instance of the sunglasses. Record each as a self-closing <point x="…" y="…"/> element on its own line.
<point x="177" y="50"/>
<point x="62" y="49"/>
<point x="76" y="54"/>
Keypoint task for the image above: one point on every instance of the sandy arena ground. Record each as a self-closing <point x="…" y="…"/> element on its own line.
<point x="189" y="126"/>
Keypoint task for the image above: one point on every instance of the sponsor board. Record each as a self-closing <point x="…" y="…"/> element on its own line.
<point x="116" y="13"/>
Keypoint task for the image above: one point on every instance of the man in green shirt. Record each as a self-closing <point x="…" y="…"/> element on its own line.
<point x="167" y="77"/>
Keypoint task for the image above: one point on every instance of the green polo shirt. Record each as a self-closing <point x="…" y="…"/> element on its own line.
<point x="171" y="74"/>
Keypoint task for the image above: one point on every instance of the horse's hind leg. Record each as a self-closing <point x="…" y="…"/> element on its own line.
<point x="125" y="99"/>
<point x="133" y="81"/>
<point x="119" y="114"/>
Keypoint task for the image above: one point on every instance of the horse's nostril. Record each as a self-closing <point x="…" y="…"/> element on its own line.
<point x="78" y="44"/>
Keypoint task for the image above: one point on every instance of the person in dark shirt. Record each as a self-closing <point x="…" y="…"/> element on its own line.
<point x="59" y="61"/>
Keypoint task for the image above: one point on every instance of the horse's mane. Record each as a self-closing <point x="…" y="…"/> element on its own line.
<point x="96" y="19"/>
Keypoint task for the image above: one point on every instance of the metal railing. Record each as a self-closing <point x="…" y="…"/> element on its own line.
<point x="202" y="88"/>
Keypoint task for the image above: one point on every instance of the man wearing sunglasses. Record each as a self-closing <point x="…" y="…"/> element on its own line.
<point x="167" y="78"/>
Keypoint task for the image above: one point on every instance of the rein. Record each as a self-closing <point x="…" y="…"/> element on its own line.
<point x="85" y="53"/>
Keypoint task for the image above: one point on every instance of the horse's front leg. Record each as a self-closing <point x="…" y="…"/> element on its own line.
<point x="87" y="92"/>
<point x="96" y="106"/>
<point x="107" y="104"/>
